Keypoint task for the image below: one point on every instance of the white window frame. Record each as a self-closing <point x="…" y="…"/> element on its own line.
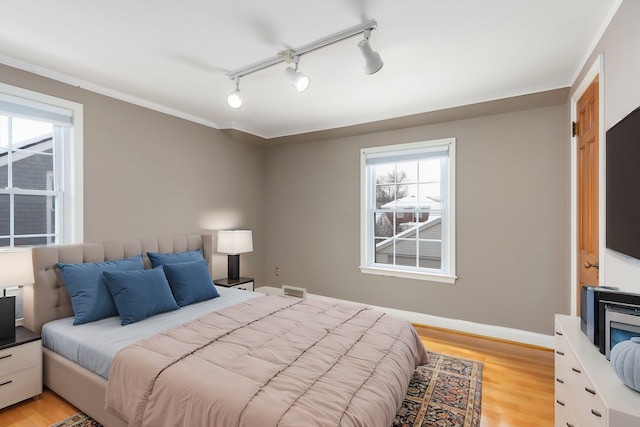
<point x="72" y="176"/>
<point x="72" y="225"/>
<point x="367" y="227"/>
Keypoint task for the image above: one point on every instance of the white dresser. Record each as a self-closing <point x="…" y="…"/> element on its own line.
<point x="587" y="390"/>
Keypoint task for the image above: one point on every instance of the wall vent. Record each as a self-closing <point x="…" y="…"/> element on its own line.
<point x="292" y="291"/>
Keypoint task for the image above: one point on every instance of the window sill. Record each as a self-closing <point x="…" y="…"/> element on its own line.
<point x="405" y="274"/>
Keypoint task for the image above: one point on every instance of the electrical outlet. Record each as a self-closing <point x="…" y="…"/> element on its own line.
<point x="277" y="271"/>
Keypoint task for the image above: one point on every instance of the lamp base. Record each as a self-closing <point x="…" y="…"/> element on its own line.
<point x="7" y="317"/>
<point x="233" y="268"/>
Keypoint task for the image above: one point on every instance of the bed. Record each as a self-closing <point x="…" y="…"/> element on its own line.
<point x="247" y="359"/>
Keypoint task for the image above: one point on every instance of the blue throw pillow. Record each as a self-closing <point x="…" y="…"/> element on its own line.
<point x="90" y="297"/>
<point x="190" y="282"/>
<point x="158" y="259"/>
<point x="139" y="294"/>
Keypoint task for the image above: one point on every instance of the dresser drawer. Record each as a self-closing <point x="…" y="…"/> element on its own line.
<point x="562" y="411"/>
<point x="20" y="385"/>
<point x="563" y="362"/>
<point x="565" y="403"/>
<point x="17" y="358"/>
<point x="593" y="411"/>
<point x="560" y="390"/>
<point x="564" y="417"/>
<point x="563" y="357"/>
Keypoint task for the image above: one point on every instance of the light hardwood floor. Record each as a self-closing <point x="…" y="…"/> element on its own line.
<point x="517" y="384"/>
<point x="42" y="412"/>
<point x="517" y="380"/>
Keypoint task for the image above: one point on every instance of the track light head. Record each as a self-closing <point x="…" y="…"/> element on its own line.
<point x="373" y="61"/>
<point x="234" y="100"/>
<point x="299" y="80"/>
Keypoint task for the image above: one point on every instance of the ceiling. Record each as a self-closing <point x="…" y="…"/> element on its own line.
<point x="174" y="55"/>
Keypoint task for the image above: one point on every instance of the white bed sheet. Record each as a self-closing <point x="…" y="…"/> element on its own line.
<point x="93" y="345"/>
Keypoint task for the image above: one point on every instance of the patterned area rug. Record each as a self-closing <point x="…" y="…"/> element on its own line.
<point x="77" y="420"/>
<point x="445" y="393"/>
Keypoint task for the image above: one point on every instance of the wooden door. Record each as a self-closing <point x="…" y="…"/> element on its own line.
<point x="588" y="188"/>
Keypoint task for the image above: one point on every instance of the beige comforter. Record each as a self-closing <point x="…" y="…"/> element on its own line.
<point x="270" y="361"/>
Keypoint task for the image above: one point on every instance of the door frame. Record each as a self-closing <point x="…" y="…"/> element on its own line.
<point x="597" y="68"/>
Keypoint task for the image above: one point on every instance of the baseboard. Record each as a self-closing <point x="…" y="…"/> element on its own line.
<point x="491" y="331"/>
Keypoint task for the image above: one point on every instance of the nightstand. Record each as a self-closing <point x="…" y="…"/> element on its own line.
<point x="20" y="367"/>
<point x="245" y="283"/>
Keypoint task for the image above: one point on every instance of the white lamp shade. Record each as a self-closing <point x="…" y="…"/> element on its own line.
<point x="235" y="241"/>
<point x="16" y="267"/>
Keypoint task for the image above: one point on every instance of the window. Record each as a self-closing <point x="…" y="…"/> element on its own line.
<point x="40" y="171"/>
<point x="408" y="210"/>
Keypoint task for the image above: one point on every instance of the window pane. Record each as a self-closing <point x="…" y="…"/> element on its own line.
<point x="407" y="171"/>
<point x="407" y="198"/>
<point x="25" y="131"/>
<point x="4" y="216"/>
<point x="385" y="194"/>
<point x="384" y="224"/>
<point x="33" y="171"/>
<point x="430" y="235"/>
<point x="4" y="169"/>
<point x="421" y="216"/>
<point x="35" y="241"/>
<point x="384" y="251"/>
<point x="4" y="131"/>
<point x="406" y="249"/>
<point x="33" y="214"/>
<point x="430" y="194"/>
<point x="430" y="169"/>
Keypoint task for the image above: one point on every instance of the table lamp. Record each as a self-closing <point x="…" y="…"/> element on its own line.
<point x="234" y="243"/>
<point x="16" y="268"/>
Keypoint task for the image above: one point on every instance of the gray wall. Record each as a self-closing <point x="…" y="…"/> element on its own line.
<point x="147" y="174"/>
<point x="512" y="220"/>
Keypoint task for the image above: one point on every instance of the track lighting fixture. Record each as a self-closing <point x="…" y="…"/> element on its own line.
<point x="234" y="100"/>
<point x="373" y="61"/>
<point x="299" y="80"/>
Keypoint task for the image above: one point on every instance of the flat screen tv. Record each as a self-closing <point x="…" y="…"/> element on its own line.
<point x="623" y="186"/>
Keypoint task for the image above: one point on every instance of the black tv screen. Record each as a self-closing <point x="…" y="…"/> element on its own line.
<point x="623" y="186"/>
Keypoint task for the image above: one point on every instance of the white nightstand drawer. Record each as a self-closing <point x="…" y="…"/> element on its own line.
<point x="19" y="386"/>
<point x="244" y="286"/>
<point x="244" y="283"/>
<point x="17" y="358"/>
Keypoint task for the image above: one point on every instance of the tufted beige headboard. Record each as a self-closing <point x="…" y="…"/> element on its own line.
<point x="48" y="299"/>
